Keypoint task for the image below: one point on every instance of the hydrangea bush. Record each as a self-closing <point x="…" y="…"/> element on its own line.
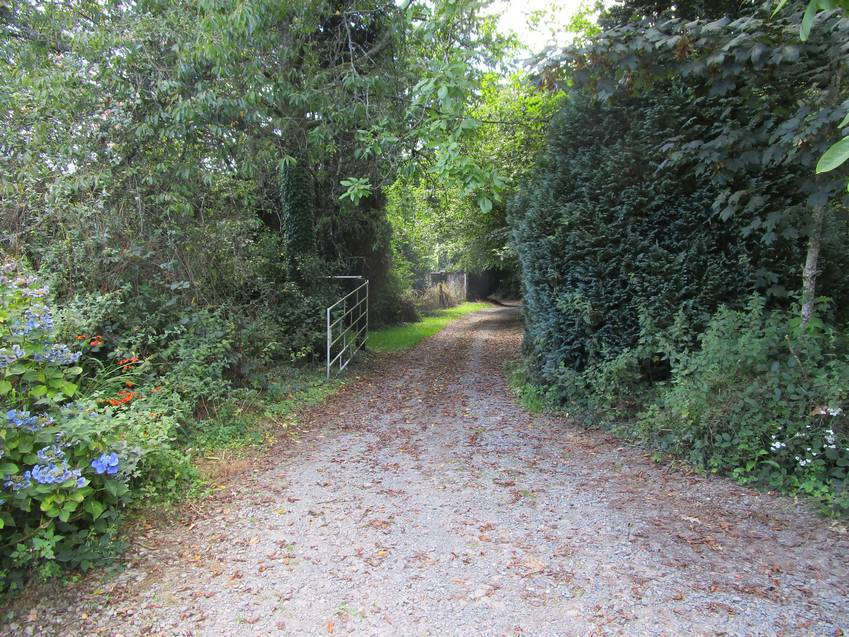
<point x="64" y="471"/>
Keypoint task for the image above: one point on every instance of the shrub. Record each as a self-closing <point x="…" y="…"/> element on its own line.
<point x="431" y="299"/>
<point x="608" y="236"/>
<point x="669" y="184"/>
<point x="64" y="470"/>
<point x="763" y="398"/>
<point x="196" y="352"/>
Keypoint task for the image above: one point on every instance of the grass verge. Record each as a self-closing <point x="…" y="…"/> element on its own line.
<point x="533" y="398"/>
<point x="249" y="424"/>
<point x="401" y="337"/>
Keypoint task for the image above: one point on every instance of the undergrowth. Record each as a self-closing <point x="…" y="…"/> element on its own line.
<point x="762" y="398"/>
<point x="97" y="425"/>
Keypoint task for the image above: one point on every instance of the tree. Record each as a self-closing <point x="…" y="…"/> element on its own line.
<point x="149" y="143"/>
<point x="838" y="152"/>
<point x="627" y="11"/>
<point x="783" y="93"/>
<point x="444" y="217"/>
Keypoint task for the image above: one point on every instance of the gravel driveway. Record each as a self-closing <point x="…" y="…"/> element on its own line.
<point x="426" y="502"/>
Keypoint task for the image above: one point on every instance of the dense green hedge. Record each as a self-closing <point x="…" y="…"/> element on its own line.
<point x="675" y="180"/>
<point x="605" y="235"/>
<point x="662" y="240"/>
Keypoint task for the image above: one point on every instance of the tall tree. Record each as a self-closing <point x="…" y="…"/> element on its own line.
<point x="144" y="141"/>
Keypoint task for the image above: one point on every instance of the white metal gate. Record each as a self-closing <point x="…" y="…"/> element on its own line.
<point x="347" y="325"/>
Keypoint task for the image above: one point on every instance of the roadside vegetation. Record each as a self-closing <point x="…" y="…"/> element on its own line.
<point x="683" y="263"/>
<point x="667" y="193"/>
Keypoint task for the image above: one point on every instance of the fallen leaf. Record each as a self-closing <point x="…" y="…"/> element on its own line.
<point x="533" y="566"/>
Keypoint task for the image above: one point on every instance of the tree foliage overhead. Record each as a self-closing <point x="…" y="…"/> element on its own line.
<point x="443" y="220"/>
<point x="157" y="143"/>
<point x="627" y="11"/>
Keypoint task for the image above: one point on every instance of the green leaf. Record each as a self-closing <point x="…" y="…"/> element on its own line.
<point x="95" y="508"/>
<point x="808" y="20"/>
<point x="485" y="204"/>
<point x="779" y="7"/>
<point x="5" y="387"/>
<point x="115" y="488"/>
<point x="834" y="156"/>
<point x="38" y="390"/>
<point x="69" y="389"/>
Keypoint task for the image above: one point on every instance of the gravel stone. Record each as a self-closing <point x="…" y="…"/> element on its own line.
<point x="424" y="501"/>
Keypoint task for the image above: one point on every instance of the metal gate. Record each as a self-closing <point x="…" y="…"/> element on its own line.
<point x="347" y="324"/>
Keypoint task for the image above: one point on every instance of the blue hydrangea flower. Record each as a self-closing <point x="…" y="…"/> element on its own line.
<point x="7" y="357"/>
<point x="16" y="483"/>
<point x="54" y="474"/>
<point x="39" y="293"/>
<point x="58" y="354"/>
<point x="23" y="420"/>
<point x="34" y="319"/>
<point x="106" y="463"/>
<point x="52" y="453"/>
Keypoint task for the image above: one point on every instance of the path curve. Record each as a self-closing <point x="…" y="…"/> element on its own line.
<point x="426" y="502"/>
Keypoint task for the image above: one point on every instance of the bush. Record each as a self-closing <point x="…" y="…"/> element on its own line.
<point x="65" y="472"/>
<point x="607" y="236"/>
<point x="763" y="399"/>
<point x="432" y="299"/>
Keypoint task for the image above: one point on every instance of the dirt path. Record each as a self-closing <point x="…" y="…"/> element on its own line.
<point x="427" y="503"/>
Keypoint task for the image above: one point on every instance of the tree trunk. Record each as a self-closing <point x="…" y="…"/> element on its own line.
<point x="809" y="272"/>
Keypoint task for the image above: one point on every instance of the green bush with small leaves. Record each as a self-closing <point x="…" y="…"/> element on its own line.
<point x="763" y="399"/>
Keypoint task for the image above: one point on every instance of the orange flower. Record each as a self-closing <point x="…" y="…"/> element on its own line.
<point x="127" y="363"/>
<point x="124" y="396"/>
<point x="82" y="337"/>
<point x="97" y="341"/>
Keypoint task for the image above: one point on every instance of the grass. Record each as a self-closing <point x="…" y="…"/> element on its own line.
<point x="249" y="422"/>
<point x="401" y="337"/>
<point x="252" y="418"/>
<point x="532" y="397"/>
